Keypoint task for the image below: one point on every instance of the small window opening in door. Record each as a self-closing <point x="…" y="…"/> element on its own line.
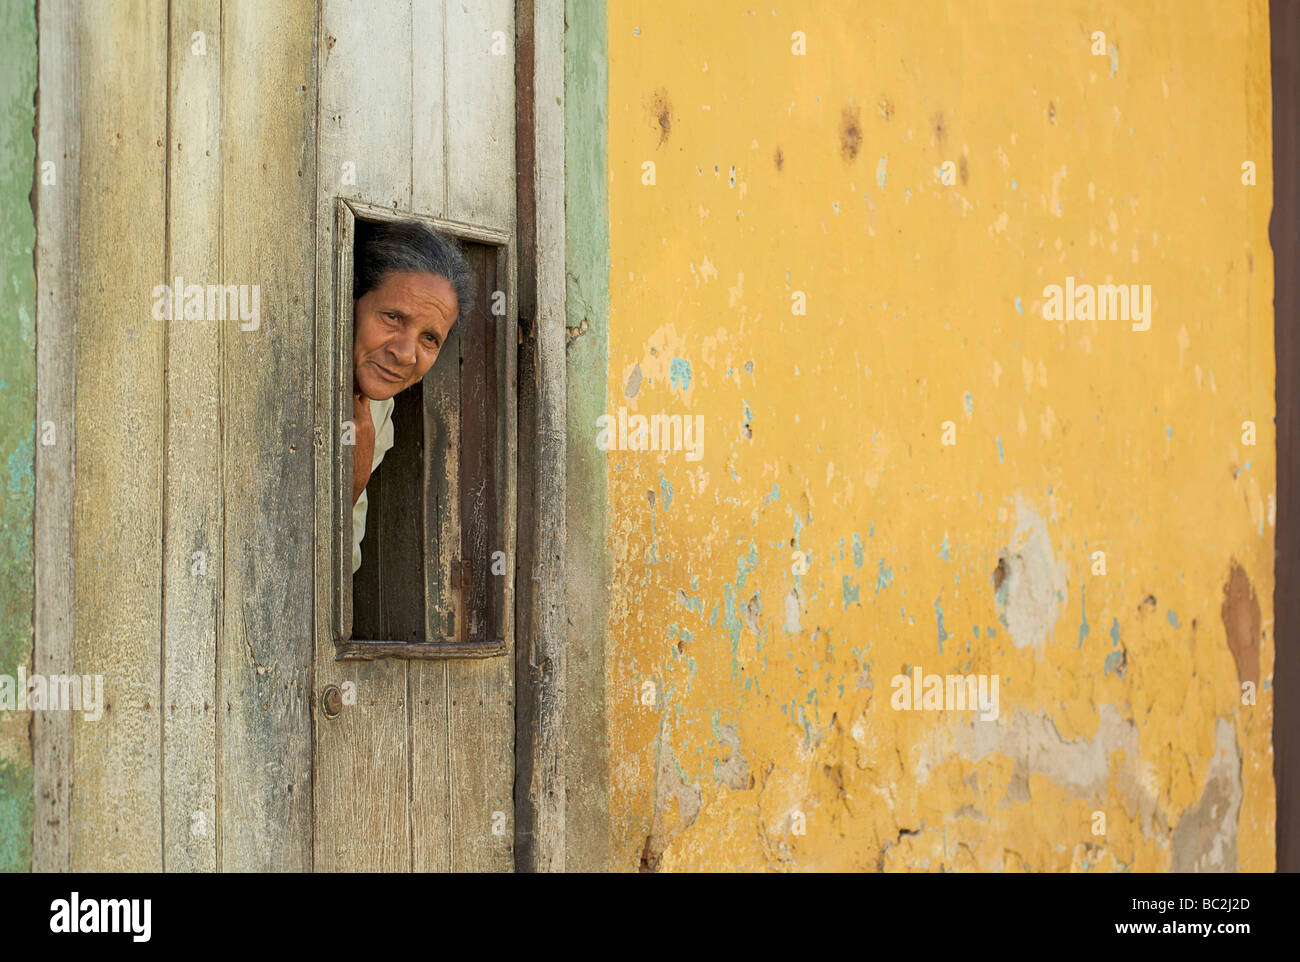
<point x="429" y="535"/>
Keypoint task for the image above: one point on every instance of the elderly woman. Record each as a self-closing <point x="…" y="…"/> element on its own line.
<point x="410" y="283"/>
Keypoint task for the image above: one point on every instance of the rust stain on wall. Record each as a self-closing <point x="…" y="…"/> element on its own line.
<point x="1240" y="613"/>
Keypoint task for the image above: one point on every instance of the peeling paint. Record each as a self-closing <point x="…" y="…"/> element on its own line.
<point x="1034" y="587"/>
<point x="1205" y="838"/>
<point x="1113" y="439"/>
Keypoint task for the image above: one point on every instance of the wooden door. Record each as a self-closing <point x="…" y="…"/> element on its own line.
<point x="414" y="763"/>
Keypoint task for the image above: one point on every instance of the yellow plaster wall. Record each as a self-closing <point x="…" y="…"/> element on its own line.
<point x="751" y="724"/>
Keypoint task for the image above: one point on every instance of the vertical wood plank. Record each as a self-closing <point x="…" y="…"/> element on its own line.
<point x="550" y="615"/>
<point x="431" y="775"/>
<point x="575" y="237"/>
<point x="480" y="148"/>
<point x="116" y="798"/>
<point x="192" y="546"/>
<point x="59" y="141"/>
<point x="401" y="533"/>
<point x="480" y="450"/>
<point x="362" y="762"/>
<point x="428" y="109"/>
<point x="264" y="659"/>
<point x="480" y="115"/>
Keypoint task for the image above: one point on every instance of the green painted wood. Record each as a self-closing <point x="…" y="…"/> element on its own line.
<point x="588" y="564"/>
<point x="17" y="428"/>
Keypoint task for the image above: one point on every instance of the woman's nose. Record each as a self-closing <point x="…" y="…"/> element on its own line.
<point x="403" y="348"/>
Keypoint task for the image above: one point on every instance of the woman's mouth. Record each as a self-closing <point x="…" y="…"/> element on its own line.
<point x="387" y="374"/>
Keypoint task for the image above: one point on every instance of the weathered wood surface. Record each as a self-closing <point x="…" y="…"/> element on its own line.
<point x="551" y="627"/>
<point x="116" y="798"/>
<point x="480" y="149"/>
<point x="362" y="761"/>
<point x="399" y="526"/>
<point x="586" y="226"/>
<point x="58" y="141"/>
<point x="192" y="507"/>
<point x="202" y="548"/>
<point x="417" y="768"/>
<point x="264" y="660"/>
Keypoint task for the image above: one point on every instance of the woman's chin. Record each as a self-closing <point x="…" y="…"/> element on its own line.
<point x="378" y="390"/>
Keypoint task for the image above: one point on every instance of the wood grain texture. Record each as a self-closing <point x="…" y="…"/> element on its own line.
<point x="399" y="524"/>
<point x="431" y="774"/>
<point x="192" y="509"/>
<point x="480" y="149"/>
<point x="362" y="763"/>
<point x="59" y="141"/>
<point x="429" y="109"/>
<point x="550" y="622"/>
<point x="589" y="567"/>
<point x="264" y="660"/>
<point x="116" y="798"/>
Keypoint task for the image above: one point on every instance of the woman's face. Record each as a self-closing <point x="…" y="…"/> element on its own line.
<point x="398" y="329"/>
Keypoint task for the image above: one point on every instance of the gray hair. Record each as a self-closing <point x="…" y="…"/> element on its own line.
<point x="409" y="246"/>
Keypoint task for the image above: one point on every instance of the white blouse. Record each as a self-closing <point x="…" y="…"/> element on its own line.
<point x="381" y="412"/>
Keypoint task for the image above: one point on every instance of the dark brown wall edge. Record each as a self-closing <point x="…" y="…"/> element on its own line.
<point x="1284" y="26"/>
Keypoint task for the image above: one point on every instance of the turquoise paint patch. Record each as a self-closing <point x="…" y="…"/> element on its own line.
<point x="871" y="531"/>
<point x="774" y="495"/>
<point x="22" y="479"/>
<point x="1020" y="309"/>
<point x="938" y="614"/>
<point x="851" y="591"/>
<point x="882" y="171"/>
<point x="970" y="403"/>
<point x="730" y="618"/>
<point x="858" y="558"/>
<point x="1114" y="632"/>
<point x="1112" y="662"/>
<point x="884" y="576"/>
<point x="1001" y="455"/>
<point x="665" y="491"/>
<point x="1114" y="59"/>
<point x="943" y="548"/>
<point x="1173" y="618"/>
<point x="679" y="372"/>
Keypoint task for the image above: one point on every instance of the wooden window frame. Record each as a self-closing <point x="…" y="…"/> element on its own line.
<point x="441" y="580"/>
